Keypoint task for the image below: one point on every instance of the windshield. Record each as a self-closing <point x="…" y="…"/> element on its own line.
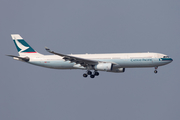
<point x="165" y="56"/>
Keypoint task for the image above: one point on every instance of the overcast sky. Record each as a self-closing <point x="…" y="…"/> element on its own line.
<point x="29" y="92"/>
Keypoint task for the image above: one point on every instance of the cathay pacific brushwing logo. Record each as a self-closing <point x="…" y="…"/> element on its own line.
<point x="22" y="47"/>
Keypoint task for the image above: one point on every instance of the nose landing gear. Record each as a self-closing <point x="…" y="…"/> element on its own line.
<point x="155" y="71"/>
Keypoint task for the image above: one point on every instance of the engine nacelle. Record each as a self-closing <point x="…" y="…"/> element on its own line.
<point x="104" y="66"/>
<point x="117" y="70"/>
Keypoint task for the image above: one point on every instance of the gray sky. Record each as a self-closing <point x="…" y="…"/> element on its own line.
<point x="29" y="92"/>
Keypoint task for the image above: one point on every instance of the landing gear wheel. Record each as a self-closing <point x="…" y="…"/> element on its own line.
<point x="155" y="71"/>
<point x="92" y="76"/>
<point x="96" y="73"/>
<point x="85" y="75"/>
<point x="89" y="72"/>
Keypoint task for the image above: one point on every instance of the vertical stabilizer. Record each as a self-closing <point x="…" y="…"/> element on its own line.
<point x="23" y="48"/>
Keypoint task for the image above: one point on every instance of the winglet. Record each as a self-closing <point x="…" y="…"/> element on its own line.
<point x="47" y="49"/>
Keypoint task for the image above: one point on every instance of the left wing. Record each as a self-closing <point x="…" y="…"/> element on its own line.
<point x="83" y="62"/>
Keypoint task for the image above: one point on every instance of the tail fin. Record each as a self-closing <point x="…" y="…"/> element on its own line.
<point x="23" y="48"/>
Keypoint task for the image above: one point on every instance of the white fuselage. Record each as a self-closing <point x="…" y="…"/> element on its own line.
<point x="114" y="62"/>
<point x="120" y="60"/>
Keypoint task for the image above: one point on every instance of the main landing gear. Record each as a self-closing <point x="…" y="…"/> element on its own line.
<point x="155" y="71"/>
<point x="92" y="75"/>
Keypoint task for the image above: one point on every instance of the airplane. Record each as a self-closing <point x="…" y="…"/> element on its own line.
<point x="111" y="62"/>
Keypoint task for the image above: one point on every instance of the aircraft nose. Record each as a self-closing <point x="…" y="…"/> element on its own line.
<point x="170" y="59"/>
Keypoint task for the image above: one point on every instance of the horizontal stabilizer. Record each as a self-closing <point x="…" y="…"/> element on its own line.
<point x="26" y="59"/>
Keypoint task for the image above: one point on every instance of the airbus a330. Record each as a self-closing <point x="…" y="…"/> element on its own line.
<point x="114" y="62"/>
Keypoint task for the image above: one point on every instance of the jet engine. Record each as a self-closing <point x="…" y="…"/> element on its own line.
<point x="104" y="66"/>
<point x="117" y="70"/>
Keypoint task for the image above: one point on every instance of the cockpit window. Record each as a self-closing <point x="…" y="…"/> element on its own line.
<point x="165" y="56"/>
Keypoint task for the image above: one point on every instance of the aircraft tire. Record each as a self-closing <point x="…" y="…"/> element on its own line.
<point x="92" y="76"/>
<point x="85" y="75"/>
<point x="89" y="72"/>
<point x="155" y="71"/>
<point x="96" y="73"/>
